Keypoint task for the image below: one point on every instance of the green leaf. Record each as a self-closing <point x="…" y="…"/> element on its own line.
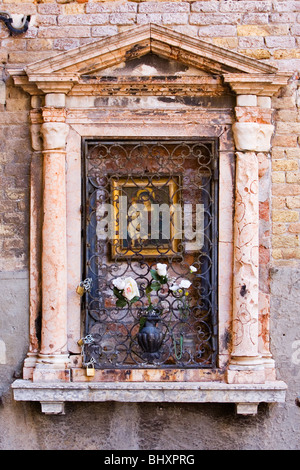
<point x="156" y="285"/>
<point x="135" y="299"/>
<point x="154" y="274"/>
<point x="118" y="293"/>
<point x="148" y="289"/>
<point x="142" y="322"/>
<point x="121" y="303"/>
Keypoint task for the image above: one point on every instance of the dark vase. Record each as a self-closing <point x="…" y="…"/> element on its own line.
<point x="150" y="337"/>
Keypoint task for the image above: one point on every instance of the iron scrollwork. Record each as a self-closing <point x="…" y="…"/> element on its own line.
<point x="181" y="172"/>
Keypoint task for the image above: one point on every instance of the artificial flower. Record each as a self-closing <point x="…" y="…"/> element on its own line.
<point x="185" y="284"/>
<point x="131" y="289"/>
<point x="174" y="288"/>
<point x="119" y="283"/>
<point x="161" y="269"/>
<point x="193" y="269"/>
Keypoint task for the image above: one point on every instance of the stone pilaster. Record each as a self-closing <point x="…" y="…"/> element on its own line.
<point x="53" y="356"/>
<point x="252" y="133"/>
<point x="35" y="229"/>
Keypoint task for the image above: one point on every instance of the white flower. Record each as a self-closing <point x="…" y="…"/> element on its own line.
<point x="193" y="269"/>
<point x="131" y="289"/>
<point x="174" y="288"/>
<point x="185" y="284"/>
<point x="161" y="269"/>
<point x="119" y="283"/>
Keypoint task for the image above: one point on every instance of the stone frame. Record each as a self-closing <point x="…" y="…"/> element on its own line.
<point x="60" y="88"/>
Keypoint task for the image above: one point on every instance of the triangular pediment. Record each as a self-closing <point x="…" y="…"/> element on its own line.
<point x="125" y="55"/>
<point x="140" y="41"/>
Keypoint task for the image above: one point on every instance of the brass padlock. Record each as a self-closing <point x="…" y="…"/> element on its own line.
<point x="80" y="342"/>
<point x="90" y="370"/>
<point x="80" y="290"/>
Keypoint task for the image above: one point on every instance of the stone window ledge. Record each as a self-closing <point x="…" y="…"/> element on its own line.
<point x="53" y="396"/>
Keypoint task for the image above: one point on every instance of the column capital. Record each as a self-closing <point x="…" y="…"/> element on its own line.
<point x="54" y="135"/>
<point x="252" y="136"/>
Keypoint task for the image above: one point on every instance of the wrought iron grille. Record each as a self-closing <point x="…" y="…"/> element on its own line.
<point x="181" y="176"/>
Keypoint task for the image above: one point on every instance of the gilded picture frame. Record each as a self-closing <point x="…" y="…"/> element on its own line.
<point x="151" y="202"/>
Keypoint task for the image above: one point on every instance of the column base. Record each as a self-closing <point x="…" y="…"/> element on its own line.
<point x="29" y="365"/>
<point x="246" y="370"/>
<point x="52" y="368"/>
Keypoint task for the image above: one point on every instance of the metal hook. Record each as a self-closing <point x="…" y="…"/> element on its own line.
<point x="8" y="20"/>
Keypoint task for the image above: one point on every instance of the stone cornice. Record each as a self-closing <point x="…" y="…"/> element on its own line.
<point x="75" y="70"/>
<point x="256" y="84"/>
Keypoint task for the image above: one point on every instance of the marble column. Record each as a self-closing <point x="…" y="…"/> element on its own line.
<point x="52" y="362"/>
<point x="251" y="134"/>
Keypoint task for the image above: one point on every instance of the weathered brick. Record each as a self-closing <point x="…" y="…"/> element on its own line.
<point x="174" y="18"/>
<point x="295" y="30"/>
<point x="283" y="17"/>
<point x="290" y="253"/>
<point x="217" y="30"/>
<point x="40" y="44"/>
<point x="164" y="7"/>
<point x="294" y="228"/>
<point x="293" y="177"/>
<point x="110" y="7"/>
<point x="243" y="6"/>
<point x="286" y="115"/>
<point x="283" y="102"/>
<point x="286" y="54"/>
<point x="286" y="189"/>
<point x="278" y="152"/>
<point x="256" y="53"/>
<point x="293" y="202"/>
<point x="285" y="216"/>
<point x="286" y="6"/>
<point x="284" y="139"/>
<point x="64" y="44"/>
<point x="122" y="18"/>
<point x="262" y="30"/>
<point x="49" y="9"/>
<point x="279" y="228"/>
<point x="211" y="6"/>
<point x="280" y="42"/>
<point x="14" y="44"/>
<point x="46" y="20"/>
<point x="292" y="153"/>
<point x="145" y="18"/>
<point x="278" y="177"/>
<point x="65" y="32"/>
<point x="277" y="253"/>
<point x="100" y="18"/>
<point x="107" y="30"/>
<point x="255" y="18"/>
<point x="73" y="8"/>
<point x="251" y="42"/>
<point x="284" y="165"/>
<point x="228" y="43"/>
<point x="285" y="241"/>
<point x="207" y="18"/>
<point x="27" y="57"/>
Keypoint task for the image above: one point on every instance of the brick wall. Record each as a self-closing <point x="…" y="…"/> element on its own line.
<point x="266" y="30"/>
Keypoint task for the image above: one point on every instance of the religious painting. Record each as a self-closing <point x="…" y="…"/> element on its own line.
<point x="147" y="216"/>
